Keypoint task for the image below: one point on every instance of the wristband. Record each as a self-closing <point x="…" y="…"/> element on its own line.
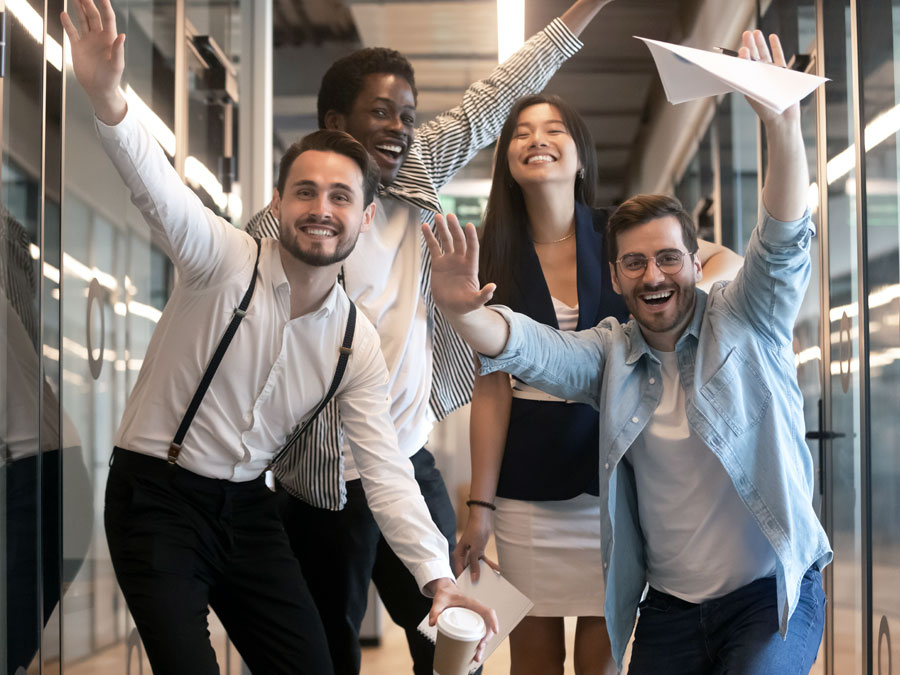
<point x="478" y="502"/>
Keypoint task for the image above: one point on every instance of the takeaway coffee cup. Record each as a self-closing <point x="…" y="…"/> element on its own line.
<point x="459" y="631"/>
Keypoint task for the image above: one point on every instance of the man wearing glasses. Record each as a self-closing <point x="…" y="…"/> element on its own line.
<point x="702" y="452"/>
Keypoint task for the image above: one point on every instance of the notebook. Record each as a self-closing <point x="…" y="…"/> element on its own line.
<point x="498" y="594"/>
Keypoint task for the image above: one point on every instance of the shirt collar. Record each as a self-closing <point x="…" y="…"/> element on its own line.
<point x="279" y="280"/>
<point x="413" y="184"/>
<point x="638" y="346"/>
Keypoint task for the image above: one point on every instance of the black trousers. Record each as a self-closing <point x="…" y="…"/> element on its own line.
<point x="341" y="551"/>
<point x="181" y="543"/>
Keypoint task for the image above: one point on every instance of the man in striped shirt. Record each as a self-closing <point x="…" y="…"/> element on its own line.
<point x="371" y="94"/>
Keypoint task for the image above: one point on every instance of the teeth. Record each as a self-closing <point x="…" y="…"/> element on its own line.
<point x="539" y="158"/>
<point x="319" y="232"/>
<point x="657" y="296"/>
<point x="390" y="148"/>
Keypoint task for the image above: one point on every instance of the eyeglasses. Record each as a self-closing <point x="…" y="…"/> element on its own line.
<point x="668" y="262"/>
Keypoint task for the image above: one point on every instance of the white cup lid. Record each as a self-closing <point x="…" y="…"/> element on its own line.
<point x="461" y="624"/>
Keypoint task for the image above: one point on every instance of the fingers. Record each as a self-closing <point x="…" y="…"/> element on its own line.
<point x="91" y="15"/>
<point x="434" y="248"/>
<point x="107" y="16"/>
<point x="490" y="563"/>
<point x="443" y="234"/>
<point x="486" y="293"/>
<point x="69" y="27"/>
<point x="459" y="558"/>
<point x="474" y="567"/>
<point x="82" y="18"/>
<point x="777" y="51"/>
<point x="756" y="48"/>
<point x="117" y="52"/>
<point x="456" y="233"/>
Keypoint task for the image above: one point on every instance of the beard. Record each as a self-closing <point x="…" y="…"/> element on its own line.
<point x="315" y="255"/>
<point x="685" y="301"/>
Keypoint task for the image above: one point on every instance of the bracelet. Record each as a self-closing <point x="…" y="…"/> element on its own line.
<point x="478" y="502"/>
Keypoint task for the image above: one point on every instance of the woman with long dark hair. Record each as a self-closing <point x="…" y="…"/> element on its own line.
<point x="535" y="457"/>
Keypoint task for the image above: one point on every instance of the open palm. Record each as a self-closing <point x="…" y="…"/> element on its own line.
<point x="98" y="52"/>
<point x="454" y="266"/>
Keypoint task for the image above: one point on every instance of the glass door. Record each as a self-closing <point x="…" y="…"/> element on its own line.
<point x="879" y="75"/>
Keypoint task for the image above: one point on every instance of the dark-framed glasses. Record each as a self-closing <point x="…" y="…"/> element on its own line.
<point x="670" y="261"/>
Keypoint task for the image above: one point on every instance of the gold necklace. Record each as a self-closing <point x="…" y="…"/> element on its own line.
<point x="555" y="241"/>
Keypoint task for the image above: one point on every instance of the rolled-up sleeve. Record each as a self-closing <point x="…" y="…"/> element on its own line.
<point x="562" y="363"/>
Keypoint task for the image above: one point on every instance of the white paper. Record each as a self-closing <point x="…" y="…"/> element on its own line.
<point x="492" y="590"/>
<point x="688" y="74"/>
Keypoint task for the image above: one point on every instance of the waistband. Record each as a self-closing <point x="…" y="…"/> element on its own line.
<point x="135" y="462"/>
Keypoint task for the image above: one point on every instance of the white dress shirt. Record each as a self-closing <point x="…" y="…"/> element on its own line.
<point x="276" y="370"/>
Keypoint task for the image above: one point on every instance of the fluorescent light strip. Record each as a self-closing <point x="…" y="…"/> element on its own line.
<point x="157" y="128"/>
<point x="877" y="299"/>
<point x="199" y="174"/>
<point x="510" y="27"/>
<point x="34" y="26"/>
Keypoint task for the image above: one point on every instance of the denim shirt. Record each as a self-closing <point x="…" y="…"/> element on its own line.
<point x="741" y="397"/>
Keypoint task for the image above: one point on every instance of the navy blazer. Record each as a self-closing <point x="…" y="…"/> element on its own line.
<point x="551" y="447"/>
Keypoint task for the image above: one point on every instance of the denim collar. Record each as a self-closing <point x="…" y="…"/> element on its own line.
<point x="637" y="346"/>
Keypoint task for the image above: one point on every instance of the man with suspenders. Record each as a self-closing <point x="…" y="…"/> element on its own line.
<point x="254" y="337"/>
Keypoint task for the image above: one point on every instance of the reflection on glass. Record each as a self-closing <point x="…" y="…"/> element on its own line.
<point x="879" y="21"/>
<point x="844" y="386"/>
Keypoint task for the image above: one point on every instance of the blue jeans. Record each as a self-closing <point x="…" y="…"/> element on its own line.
<point x="737" y="633"/>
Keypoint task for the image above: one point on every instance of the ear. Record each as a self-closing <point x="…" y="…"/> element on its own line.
<point x="368" y="217"/>
<point x="335" y="121"/>
<point x="698" y="268"/>
<point x="613" y="274"/>
<point x="276" y="204"/>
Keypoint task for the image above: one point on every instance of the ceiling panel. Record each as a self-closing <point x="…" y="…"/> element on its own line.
<point x="452" y="43"/>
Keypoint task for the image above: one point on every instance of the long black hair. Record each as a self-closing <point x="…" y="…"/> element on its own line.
<point x="505" y="229"/>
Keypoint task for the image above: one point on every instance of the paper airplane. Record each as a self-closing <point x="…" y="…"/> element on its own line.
<point x="688" y="74"/>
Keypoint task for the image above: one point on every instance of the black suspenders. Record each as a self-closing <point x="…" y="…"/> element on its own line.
<point x="239" y="313"/>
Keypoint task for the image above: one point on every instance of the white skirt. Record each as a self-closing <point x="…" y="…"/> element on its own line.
<point x="550" y="551"/>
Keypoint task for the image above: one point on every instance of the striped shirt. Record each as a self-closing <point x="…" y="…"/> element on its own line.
<point x="433" y="371"/>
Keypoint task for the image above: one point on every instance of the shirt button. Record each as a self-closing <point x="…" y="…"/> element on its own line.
<point x="652" y="380"/>
<point x="634" y="419"/>
<point x="605" y="565"/>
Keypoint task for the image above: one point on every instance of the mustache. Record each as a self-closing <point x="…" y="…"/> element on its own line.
<point x="314" y="219"/>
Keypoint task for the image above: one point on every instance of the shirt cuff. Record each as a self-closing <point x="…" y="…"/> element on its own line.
<point x="490" y="364"/>
<point x="431" y="570"/>
<point x="778" y="233"/>
<point x="563" y="38"/>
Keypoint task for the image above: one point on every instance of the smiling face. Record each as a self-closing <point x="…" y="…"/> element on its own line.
<point x="541" y="149"/>
<point x="321" y="210"/>
<point x="662" y="304"/>
<point x="382" y="119"/>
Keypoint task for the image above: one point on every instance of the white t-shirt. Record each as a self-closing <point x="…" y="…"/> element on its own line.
<point x="381" y="276"/>
<point x="700" y="539"/>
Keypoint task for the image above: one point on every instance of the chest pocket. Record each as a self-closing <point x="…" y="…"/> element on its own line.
<point x="738" y="393"/>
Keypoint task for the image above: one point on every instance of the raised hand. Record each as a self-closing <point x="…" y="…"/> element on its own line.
<point x="454" y="267"/>
<point x="787" y="175"/>
<point x="98" y="57"/>
<point x="754" y="48"/>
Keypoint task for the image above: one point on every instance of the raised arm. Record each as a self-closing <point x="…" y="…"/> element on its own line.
<point x="770" y="287"/>
<point x="448" y="142"/>
<point x="192" y="236"/>
<point x="719" y="263"/>
<point x="562" y="363"/>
